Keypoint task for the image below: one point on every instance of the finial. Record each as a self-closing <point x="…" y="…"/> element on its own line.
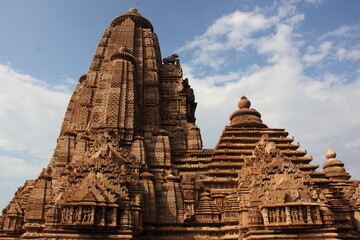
<point x="330" y="154"/>
<point x="133" y="10"/>
<point x="333" y="168"/>
<point x="246" y="116"/>
<point x="244" y="103"/>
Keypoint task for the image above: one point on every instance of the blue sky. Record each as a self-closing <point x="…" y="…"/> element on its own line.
<point x="297" y="61"/>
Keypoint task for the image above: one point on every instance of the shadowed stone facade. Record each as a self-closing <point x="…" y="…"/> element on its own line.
<point x="129" y="163"/>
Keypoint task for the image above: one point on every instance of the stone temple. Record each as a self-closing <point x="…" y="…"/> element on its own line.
<point x="129" y="163"/>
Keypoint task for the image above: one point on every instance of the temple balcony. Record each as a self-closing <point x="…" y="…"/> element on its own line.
<point x="290" y="215"/>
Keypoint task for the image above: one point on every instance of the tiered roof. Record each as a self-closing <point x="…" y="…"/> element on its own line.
<point x="238" y="141"/>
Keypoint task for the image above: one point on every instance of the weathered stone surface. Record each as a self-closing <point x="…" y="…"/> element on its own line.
<point x="129" y="163"/>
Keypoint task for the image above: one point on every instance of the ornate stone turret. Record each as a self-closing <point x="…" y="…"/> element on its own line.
<point x="207" y="211"/>
<point x="246" y="116"/>
<point x="333" y="168"/>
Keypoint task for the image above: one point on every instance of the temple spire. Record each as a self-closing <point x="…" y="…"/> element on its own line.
<point x="246" y="116"/>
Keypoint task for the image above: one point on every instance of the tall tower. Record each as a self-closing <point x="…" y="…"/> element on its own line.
<point x="125" y="119"/>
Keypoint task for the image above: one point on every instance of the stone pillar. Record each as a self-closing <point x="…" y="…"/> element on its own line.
<point x="301" y="218"/>
<point x="92" y="215"/>
<point x="265" y="213"/>
<point x="277" y="218"/>
<point x="309" y="219"/>
<point x="103" y="216"/>
<point x="80" y="214"/>
<point x="288" y="215"/>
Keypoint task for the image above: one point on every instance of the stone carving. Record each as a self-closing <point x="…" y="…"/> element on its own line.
<point x="129" y="163"/>
<point x="173" y="59"/>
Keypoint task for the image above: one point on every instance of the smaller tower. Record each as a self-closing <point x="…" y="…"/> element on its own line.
<point x="333" y="168"/>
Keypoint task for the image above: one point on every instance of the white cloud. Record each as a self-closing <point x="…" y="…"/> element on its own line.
<point x="353" y="143"/>
<point x="344" y="44"/>
<point x="315" y="55"/>
<point x="315" y="2"/>
<point x="348" y="54"/>
<point x="14" y="167"/>
<point x="279" y="45"/>
<point x="231" y="31"/>
<point x="286" y="8"/>
<point x="30" y="113"/>
<point x="296" y="19"/>
<point x="13" y="173"/>
<point x="342" y="32"/>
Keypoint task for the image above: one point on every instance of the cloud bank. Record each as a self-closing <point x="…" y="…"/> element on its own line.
<point x="302" y="85"/>
<point x="31" y="113"/>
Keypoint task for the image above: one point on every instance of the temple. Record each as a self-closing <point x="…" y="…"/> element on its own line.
<point x="129" y="163"/>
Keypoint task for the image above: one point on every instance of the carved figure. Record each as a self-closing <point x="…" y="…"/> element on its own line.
<point x="282" y="215"/>
<point x="272" y="216"/>
<point x="173" y="59"/>
<point x="294" y="214"/>
<point x="314" y="195"/>
<point x="76" y="214"/>
<point x="109" y="216"/>
<point x="86" y="215"/>
<point x="65" y="215"/>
